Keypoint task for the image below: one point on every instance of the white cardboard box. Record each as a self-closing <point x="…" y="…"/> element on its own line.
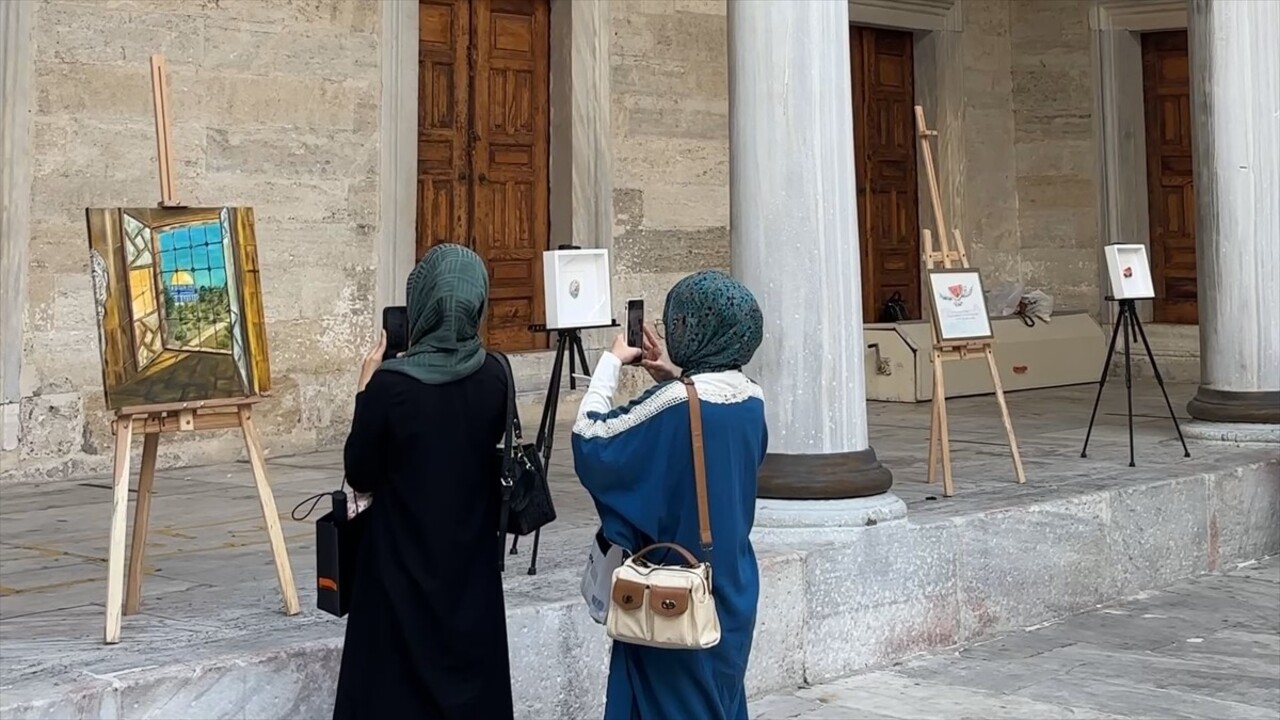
<point x="578" y="293"/>
<point x="1068" y="351"/>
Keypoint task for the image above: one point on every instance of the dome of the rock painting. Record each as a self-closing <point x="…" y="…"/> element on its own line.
<point x="182" y="286"/>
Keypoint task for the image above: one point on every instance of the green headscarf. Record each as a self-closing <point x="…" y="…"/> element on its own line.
<point x="446" y="293"/>
<point x="713" y="323"/>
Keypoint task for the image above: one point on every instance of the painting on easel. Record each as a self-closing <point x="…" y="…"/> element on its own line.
<point x="179" y="304"/>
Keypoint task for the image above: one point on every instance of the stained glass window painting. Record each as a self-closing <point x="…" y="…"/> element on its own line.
<point x="173" y="323"/>
<point x="237" y="329"/>
<point x="138" y="237"/>
<point x="197" y="305"/>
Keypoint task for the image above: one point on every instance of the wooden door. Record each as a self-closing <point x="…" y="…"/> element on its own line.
<point x="1170" y="190"/>
<point x="483" y="146"/>
<point x="510" y="214"/>
<point x="885" y="163"/>
<point x="444" y="93"/>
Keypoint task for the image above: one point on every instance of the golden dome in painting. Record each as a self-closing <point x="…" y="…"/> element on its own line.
<point x="181" y="277"/>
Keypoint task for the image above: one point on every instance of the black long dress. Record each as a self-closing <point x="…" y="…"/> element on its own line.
<point x="427" y="634"/>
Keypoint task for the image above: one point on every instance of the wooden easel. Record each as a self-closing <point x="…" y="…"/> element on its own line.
<point x="151" y="421"/>
<point x="939" y="433"/>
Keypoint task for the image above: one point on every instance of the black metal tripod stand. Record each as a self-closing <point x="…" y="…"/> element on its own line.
<point x="568" y="342"/>
<point x="1127" y="322"/>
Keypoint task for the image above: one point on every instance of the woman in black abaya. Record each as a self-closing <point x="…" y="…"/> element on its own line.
<point x="427" y="635"/>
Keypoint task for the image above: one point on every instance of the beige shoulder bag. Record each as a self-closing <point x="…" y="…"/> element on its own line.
<point x="670" y="606"/>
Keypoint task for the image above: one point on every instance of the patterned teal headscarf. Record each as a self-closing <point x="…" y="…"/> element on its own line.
<point x="447" y="293"/>
<point x="713" y="323"/>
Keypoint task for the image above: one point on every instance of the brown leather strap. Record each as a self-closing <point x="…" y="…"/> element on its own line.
<point x="699" y="466"/>
<point x="688" y="556"/>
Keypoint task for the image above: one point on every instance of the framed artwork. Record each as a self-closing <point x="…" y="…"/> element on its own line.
<point x="959" y="305"/>
<point x="578" y="293"/>
<point x="1130" y="272"/>
<point x="179" y="304"/>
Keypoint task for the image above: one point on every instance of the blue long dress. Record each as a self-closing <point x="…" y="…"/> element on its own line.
<point x="637" y="463"/>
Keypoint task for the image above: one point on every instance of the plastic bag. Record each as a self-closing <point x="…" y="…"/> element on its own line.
<point x="1039" y="305"/>
<point x="1002" y="299"/>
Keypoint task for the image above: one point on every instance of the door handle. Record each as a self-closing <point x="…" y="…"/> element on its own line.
<point x="462" y="174"/>
<point x="484" y="178"/>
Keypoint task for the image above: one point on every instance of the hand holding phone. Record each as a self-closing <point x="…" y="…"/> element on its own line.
<point x="635" y="324"/>
<point x="395" y="322"/>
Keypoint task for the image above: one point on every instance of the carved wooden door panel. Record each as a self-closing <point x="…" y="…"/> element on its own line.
<point x="444" y="205"/>
<point x="483" y="147"/>
<point x="510" y="210"/>
<point x="885" y="165"/>
<point x="1170" y="191"/>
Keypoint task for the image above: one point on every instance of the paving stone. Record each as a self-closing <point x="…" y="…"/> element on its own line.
<point x="1161" y="655"/>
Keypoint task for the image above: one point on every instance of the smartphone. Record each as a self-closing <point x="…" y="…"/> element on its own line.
<point x="635" y="323"/>
<point x="395" y="321"/>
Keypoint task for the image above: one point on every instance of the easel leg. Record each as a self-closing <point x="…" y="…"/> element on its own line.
<point x="1102" y="382"/>
<point x="550" y="406"/>
<point x="119" y="520"/>
<point x="934" y="438"/>
<point x="582" y="353"/>
<point x="941" y="397"/>
<point x="141" y="523"/>
<point x="1155" y="370"/>
<point x="1128" y="378"/>
<point x="1004" y="414"/>
<point x="269" y="513"/>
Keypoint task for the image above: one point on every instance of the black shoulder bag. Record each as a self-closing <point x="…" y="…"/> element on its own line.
<point x="894" y="310"/>
<point x="526" y="497"/>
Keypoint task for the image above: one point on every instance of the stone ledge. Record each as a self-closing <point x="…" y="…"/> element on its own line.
<point x="871" y="598"/>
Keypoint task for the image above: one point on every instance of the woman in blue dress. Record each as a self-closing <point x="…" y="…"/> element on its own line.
<point x="636" y="461"/>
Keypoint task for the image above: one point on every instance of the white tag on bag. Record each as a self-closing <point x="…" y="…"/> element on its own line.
<point x="597" y="579"/>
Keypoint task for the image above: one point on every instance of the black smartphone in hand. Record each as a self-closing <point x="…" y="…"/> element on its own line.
<point x="395" y="321"/>
<point x="635" y="324"/>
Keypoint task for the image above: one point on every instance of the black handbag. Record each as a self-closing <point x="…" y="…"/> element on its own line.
<point x="338" y="540"/>
<point x="894" y="310"/>
<point x="526" y="505"/>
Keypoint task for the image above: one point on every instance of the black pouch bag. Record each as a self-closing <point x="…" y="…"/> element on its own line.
<point x="894" y="310"/>
<point x="526" y="497"/>
<point x="338" y="540"/>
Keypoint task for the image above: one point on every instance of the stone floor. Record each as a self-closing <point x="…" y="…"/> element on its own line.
<point x="1203" y="648"/>
<point x="210" y="587"/>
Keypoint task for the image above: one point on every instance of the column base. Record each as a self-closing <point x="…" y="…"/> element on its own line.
<point x="834" y="476"/>
<point x="1235" y="406"/>
<point x="1233" y="433"/>
<point x="813" y="522"/>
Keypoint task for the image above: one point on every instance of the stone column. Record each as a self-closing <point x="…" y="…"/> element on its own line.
<point x="15" y="204"/>
<point x="1235" y="97"/>
<point x="794" y="241"/>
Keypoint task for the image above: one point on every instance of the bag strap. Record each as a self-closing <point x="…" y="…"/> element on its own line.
<point x="510" y="435"/>
<point x="513" y="418"/>
<point x="699" y="466"/>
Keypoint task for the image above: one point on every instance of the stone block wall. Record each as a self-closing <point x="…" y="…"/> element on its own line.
<point x="1026" y="201"/>
<point x="1053" y="103"/>
<point x="670" y="122"/>
<point x="274" y="105"/>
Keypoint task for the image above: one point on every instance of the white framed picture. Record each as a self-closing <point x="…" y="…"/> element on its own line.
<point x="576" y="285"/>
<point x="1130" y="272"/>
<point x="959" y="305"/>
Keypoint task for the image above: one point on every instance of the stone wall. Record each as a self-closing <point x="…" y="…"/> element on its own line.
<point x="1017" y="160"/>
<point x="1053" y="104"/>
<point x="670" y="83"/>
<point x="274" y="105"/>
